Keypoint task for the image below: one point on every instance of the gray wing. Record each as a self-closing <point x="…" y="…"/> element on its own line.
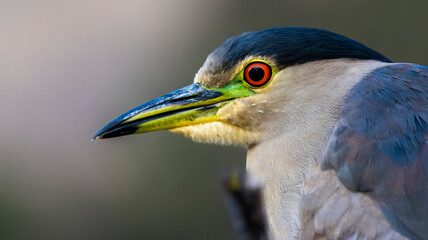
<point x="380" y="145"/>
<point x="328" y="210"/>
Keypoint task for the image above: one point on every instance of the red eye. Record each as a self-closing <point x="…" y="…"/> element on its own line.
<point x="257" y="74"/>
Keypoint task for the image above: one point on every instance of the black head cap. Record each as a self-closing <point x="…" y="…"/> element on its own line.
<point x="291" y="46"/>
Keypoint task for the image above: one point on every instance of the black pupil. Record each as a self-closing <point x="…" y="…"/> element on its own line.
<point x="256" y="73"/>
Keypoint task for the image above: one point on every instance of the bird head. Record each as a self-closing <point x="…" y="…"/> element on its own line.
<point x="246" y="90"/>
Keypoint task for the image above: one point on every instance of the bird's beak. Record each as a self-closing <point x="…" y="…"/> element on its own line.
<point x="191" y="105"/>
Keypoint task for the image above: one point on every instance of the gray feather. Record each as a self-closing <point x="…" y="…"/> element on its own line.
<point x="380" y="147"/>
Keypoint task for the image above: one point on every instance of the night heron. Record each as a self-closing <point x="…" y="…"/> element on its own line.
<point x="337" y="133"/>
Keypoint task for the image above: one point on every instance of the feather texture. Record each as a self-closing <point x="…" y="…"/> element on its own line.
<point x="380" y="147"/>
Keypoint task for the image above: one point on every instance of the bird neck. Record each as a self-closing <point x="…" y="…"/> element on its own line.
<point x="282" y="158"/>
<point x="280" y="164"/>
<point x="281" y="185"/>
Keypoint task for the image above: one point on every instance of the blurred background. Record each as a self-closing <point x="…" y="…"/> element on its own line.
<point x="69" y="67"/>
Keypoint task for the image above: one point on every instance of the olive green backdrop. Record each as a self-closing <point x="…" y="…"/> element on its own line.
<point x="69" y="67"/>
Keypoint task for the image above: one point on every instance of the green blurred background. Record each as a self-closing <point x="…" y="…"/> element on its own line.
<point x="69" y="67"/>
